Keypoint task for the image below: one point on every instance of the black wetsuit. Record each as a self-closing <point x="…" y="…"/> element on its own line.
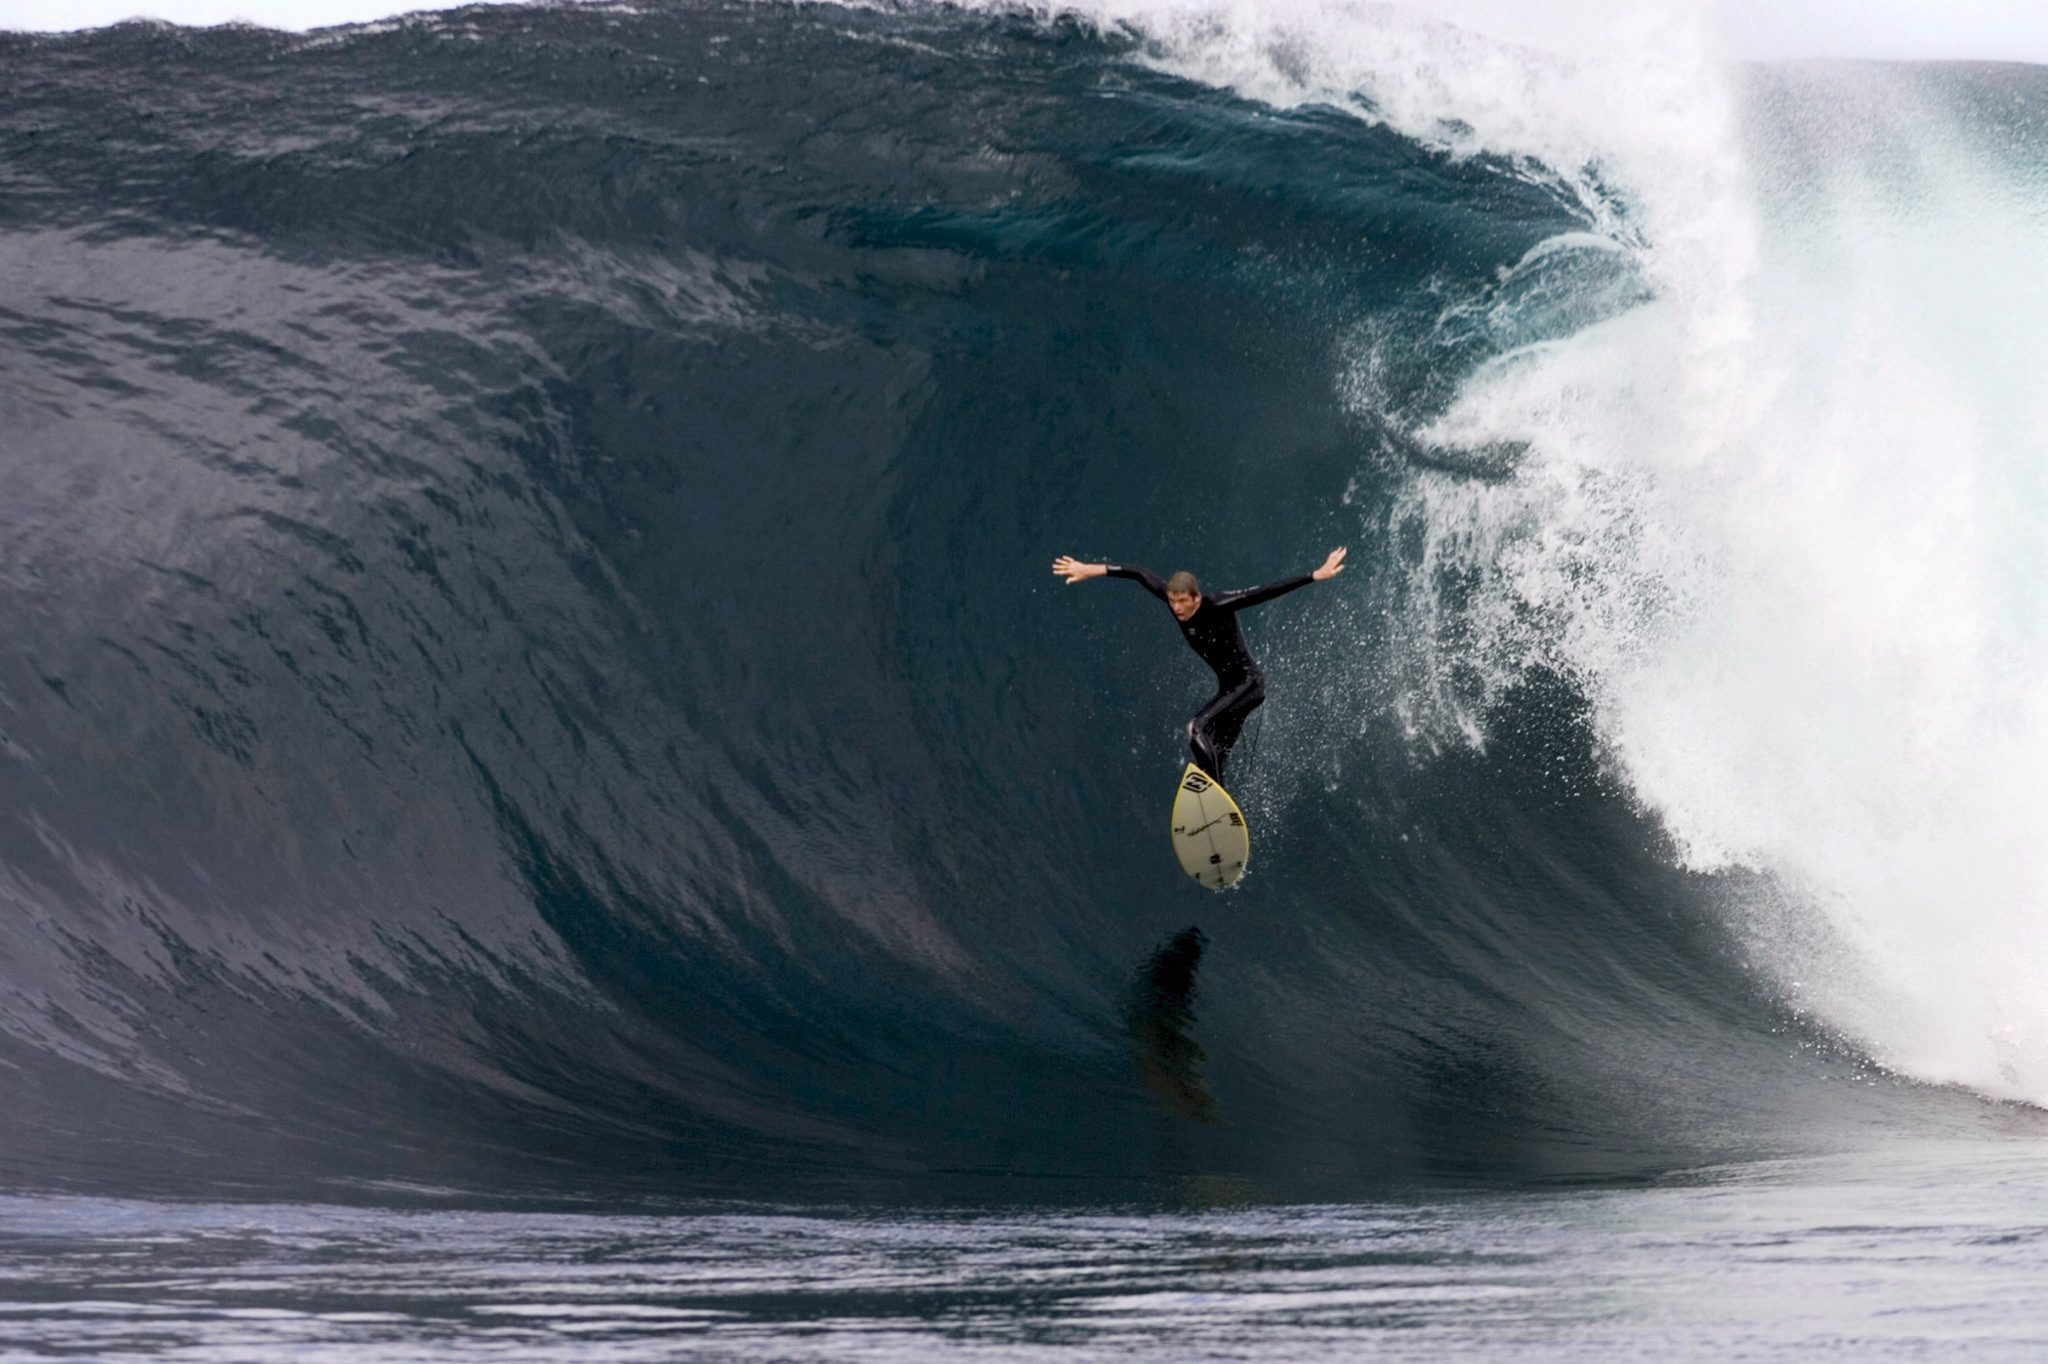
<point x="1215" y="636"/>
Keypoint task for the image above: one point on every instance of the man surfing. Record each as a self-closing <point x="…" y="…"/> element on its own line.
<point x="1209" y="625"/>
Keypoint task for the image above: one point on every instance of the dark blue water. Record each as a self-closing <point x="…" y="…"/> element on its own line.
<point x="529" y="675"/>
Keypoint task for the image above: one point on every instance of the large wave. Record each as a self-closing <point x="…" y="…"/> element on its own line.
<point x="531" y="664"/>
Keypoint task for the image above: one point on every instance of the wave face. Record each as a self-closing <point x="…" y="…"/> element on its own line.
<point x="531" y="665"/>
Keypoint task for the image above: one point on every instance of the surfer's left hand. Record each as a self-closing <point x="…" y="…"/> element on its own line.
<point x="1332" y="566"/>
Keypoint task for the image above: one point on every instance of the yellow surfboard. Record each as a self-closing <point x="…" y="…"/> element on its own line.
<point x="1209" y="833"/>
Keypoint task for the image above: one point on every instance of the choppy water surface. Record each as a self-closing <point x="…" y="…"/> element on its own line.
<point x="1943" y="1254"/>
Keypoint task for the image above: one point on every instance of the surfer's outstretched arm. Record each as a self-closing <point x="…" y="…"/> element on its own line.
<point x="1073" y="570"/>
<point x="1252" y="596"/>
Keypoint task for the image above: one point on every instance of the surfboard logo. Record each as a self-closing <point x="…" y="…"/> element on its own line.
<point x="1196" y="783"/>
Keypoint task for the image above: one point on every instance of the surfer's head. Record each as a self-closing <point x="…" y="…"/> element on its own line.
<point x="1183" y="594"/>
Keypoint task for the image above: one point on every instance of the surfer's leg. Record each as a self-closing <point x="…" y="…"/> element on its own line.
<point x="1213" y="732"/>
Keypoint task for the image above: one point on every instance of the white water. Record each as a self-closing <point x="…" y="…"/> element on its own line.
<point x="1854" y="693"/>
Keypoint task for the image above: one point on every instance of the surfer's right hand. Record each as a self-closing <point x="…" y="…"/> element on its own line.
<point x="1073" y="570"/>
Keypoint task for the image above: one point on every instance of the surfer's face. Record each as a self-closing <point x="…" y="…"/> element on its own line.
<point x="1184" y="604"/>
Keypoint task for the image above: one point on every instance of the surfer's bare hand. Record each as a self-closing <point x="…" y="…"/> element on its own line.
<point x="1073" y="570"/>
<point x="1332" y="566"/>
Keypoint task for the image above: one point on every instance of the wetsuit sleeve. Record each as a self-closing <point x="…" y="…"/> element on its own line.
<point x="1153" y="583"/>
<point x="1252" y="596"/>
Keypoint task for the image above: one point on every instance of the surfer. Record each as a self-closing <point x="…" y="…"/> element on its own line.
<point x="1209" y="625"/>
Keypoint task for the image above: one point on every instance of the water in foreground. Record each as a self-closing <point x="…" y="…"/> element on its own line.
<point x="1940" y="1253"/>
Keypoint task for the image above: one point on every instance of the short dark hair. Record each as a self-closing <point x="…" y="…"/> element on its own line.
<point x="1184" y="581"/>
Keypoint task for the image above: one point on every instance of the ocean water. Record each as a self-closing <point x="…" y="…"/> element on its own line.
<point x="549" y="803"/>
<point x="1931" y="1253"/>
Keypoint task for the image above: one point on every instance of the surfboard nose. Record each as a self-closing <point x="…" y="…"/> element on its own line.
<point x="1211" y="839"/>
